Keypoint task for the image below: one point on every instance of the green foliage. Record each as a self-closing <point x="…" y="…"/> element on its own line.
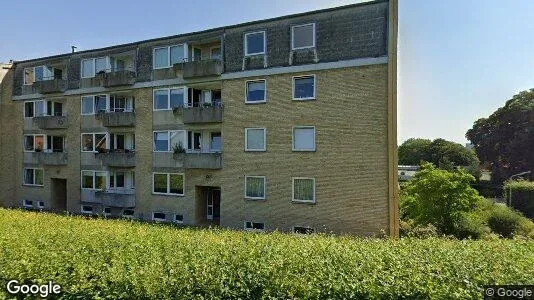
<point x="408" y="228"/>
<point x="443" y="154"/>
<point x="506" y="138"/>
<point x="439" y="197"/>
<point x="117" y="259"/>
<point x="522" y="196"/>
<point x="470" y="226"/>
<point x="504" y="221"/>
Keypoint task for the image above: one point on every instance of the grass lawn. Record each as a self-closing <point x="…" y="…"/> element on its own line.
<point x="94" y="258"/>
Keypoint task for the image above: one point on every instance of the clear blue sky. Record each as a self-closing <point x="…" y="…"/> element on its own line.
<point x="458" y="60"/>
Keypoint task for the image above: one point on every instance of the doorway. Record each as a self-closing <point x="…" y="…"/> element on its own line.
<point x="59" y="194"/>
<point x="209" y="206"/>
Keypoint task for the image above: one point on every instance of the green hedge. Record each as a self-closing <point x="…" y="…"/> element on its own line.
<point x="522" y="196"/>
<point x="125" y="259"/>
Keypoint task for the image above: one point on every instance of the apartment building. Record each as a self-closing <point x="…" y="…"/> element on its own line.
<point x="280" y="124"/>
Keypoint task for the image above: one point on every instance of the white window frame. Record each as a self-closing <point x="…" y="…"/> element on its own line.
<point x="293" y="36"/>
<point x="27" y="203"/>
<point x="83" y="211"/>
<point x="186" y="55"/>
<point x="264" y="188"/>
<point x="264" y="139"/>
<point x="33" y="68"/>
<point x="94" y="179"/>
<point x="186" y="97"/>
<point x="34" y="108"/>
<point x="245" y="43"/>
<point x="94" y="141"/>
<point x="168" y="193"/>
<point x="34" y="177"/>
<point x="34" y="135"/>
<point x="264" y="92"/>
<point x="252" y="228"/>
<point x="176" y="221"/>
<point x="169" y="146"/>
<point x="107" y="70"/>
<point x="293" y="138"/>
<point x="293" y="190"/>
<point x="159" y="219"/>
<point x="314" y="88"/>
<point x="39" y="204"/>
<point x="104" y="211"/>
<point x="93" y="103"/>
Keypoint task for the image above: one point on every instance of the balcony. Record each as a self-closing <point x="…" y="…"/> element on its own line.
<point x="201" y="68"/>
<point x="112" y="198"/>
<point x="118" y="159"/>
<point x="117" y="78"/>
<point x="117" y="118"/>
<point x="200" y="114"/>
<point x="51" y="122"/>
<point x="199" y="160"/>
<point x="50" y="86"/>
<point x="52" y="158"/>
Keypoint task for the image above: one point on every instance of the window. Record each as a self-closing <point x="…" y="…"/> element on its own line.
<point x="54" y="108"/>
<point x="165" y="99"/>
<point x="254" y="226"/>
<point x="255" y="139"/>
<point x="39" y="73"/>
<point x="256" y="91"/>
<point x="121" y="103"/>
<point x="216" y="53"/>
<point x="93" y="66"/>
<point x="158" y="216"/>
<point x="29" y="111"/>
<point x="116" y="180"/>
<point x="179" y="219"/>
<point x="165" y="141"/>
<point x="194" y="141"/>
<point x="27" y="203"/>
<point x="166" y="57"/>
<point x="107" y="211"/>
<point x="86" y="209"/>
<point x="95" y="180"/>
<point x="34" y="142"/>
<point x="35" y="108"/>
<point x="54" y="143"/>
<point x="168" y="183"/>
<point x="94" y="104"/>
<point x="255" y="187"/>
<point x="40" y="204"/>
<point x="304" y="87"/>
<point x="128" y="213"/>
<point x="255" y="43"/>
<point x="304" y="138"/>
<point x="303" y="36"/>
<point x="303" y="189"/>
<point x="33" y="177"/>
<point x="215" y="142"/>
<point x="302" y="230"/>
<point x="94" y="142"/>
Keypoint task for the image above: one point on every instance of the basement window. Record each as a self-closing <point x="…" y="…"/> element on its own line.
<point x="254" y="226"/>
<point x="179" y="219"/>
<point x="40" y="204"/>
<point x="128" y="213"/>
<point x="107" y="211"/>
<point x="86" y="209"/>
<point x="27" y="203"/>
<point x="302" y="230"/>
<point x="159" y="216"/>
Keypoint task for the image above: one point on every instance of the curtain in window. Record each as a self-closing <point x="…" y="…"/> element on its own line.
<point x="304" y="87"/>
<point x="256" y="91"/>
<point x="255" y="139"/>
<point x="303" y="189"/>
<point x="255" y="187"/>
<point x="100" y="103"/>
<point x="161" y="99"/>
<point x="40" y="108"/>
<point x="304" y="138"/>
<point x="161" y="58"/>
<point x="161" y="141"/>
<point x="177" y="54"/>
<point x="177" y="98"/>
<point x="88" y="68"/>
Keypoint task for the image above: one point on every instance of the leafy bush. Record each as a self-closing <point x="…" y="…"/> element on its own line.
<point x="117" y="259"/>
<point x="441" y="198"/>
<point x="409" y="229"/>
<point x="522" y="196"/>
<point x="504" y="221"/>
<point x="470" y="225"/>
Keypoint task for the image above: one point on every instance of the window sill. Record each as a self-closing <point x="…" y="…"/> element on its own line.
<point x="254" y="54"/>
<point x="256" y="102"/>
<point x="249" y="150"/>
<point x="168" y="194"/>
<point x="303" y="150"/>
<point x="33" y="185"/>
<point x="303" y="202"/>
<point x="304" y="99"/>
<point x="303" y="48"/>
<point x="254" y="199"/>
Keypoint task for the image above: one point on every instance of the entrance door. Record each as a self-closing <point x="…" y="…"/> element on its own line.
<point x="213" y="205"/>
<point x="59" y="194"/>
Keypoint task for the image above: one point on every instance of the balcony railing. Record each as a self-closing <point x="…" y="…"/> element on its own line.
<point x="201" y="68"/>
<point x="117" y="118"/>
<point x="117" y="78"/>
<point x="123" y="198"/>
<point x="52" y="158"/>
<point x="51" y="85"/>
<point x="51" y="122"/>
<point x="199" y="159"/>
<point x="117" y="158"/>
<point x="201" y="114"/>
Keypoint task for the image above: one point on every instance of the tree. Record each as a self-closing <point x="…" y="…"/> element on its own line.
<point x="439" y="197"/>
<point x="505" y="140"/>
<point x="442" y="153"/>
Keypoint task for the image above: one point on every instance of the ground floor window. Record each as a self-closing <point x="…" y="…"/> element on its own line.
<point x="159" y="216"/>
<point x="168" y="183"/>
<point x="33" y="177"/>
<point x="255" y="187"/>
<point x="303" y="189"/>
